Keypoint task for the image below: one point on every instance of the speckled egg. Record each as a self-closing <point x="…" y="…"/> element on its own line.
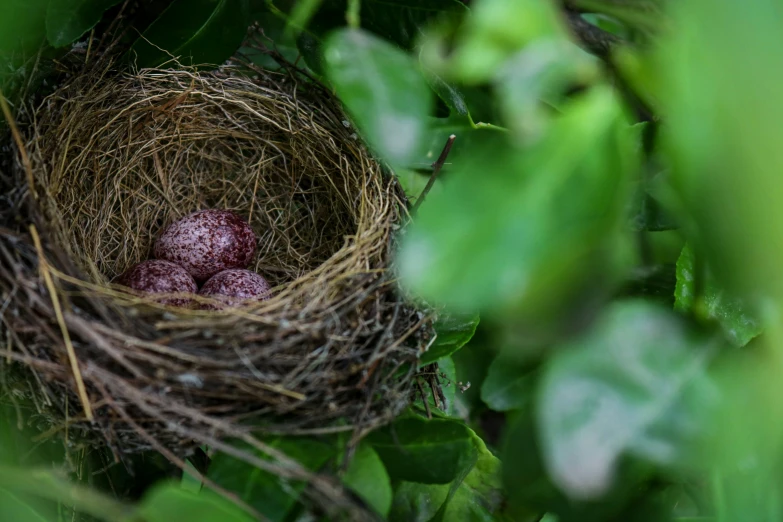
<point x="235" y="287"/>
<point x="207" y="242"/>
<point x="157" y="276"/>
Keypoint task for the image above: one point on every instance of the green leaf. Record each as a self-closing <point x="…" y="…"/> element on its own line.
<point x="68" y="20"/>
<point x="12" y="508"/>
<point x="475" y="105"/>
<point x="271" y="495"/>
<point x="368" y="478"/>
<point x="383" y="90"/>
<point x="194" y="31"/>
<point x="541" y="72"/>
<point x="402" y="21"/>
<point x="726" y="163"/>
<point x="22" y="27"/>
<point x="471" y="139"/>
<point x="635" y="385"/>
<point x="427" y="451"/>
<point x="413" y="182"/>
<point x="495" y="31"/>
<point x="398" y="21"/>
<point x="447" y="376"/>
<point x="733" y="315"/>
<point x="273" y="25"/>
<point x="474" y="496"/>
<point x="453" y="332"/>
<point x="169" y="502"/>
<point x="536" y="225"/>
<point x="509" y="383"/>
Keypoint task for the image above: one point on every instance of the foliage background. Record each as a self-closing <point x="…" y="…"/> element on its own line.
<point x="610" y="208"/>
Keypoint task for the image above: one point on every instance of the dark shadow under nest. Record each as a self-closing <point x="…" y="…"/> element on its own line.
<point x="108" y="160"/>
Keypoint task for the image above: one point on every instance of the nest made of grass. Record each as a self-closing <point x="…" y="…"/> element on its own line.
<point x="112" y="157"/>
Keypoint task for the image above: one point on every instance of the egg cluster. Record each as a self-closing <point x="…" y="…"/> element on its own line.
<point x="211" y="248"/>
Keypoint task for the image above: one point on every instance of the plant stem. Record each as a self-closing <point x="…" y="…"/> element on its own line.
<point x="435" y="171"/>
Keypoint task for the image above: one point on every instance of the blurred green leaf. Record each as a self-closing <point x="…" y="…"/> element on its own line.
<point x="382" y="89"/>
<point x="496" y="30"/>
<point x="169" y="502"/>
<point x="302" y="12"/>
<point x="453" y="332"/>
<point x="22" y="27"/>
<point x="403" y="21"/>
<point x="12" y="508"/>
<point x="509" y="384"/>
<point x="723" y="113"/>
<point x="535" y="225"/>
<point x="271" y="495"/>
<point x="195" y="32"/>
<point x="68" y="20"/>
<point x="468" y="105"/>
<point x="420" y="450"/>
<point x="635" y="385"/>
<point x="543" y="71"/>
<point x="398" y="21"/>
<point x="474" y="496"/>
<point x="48" y="484"/>
<point x="733" y="315"/>
<point x="643" y="15"/>
<point x="651" y="212"/>
<point x="367" y="476"/>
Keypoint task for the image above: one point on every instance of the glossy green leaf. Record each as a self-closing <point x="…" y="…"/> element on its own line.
<point x="535" y="225"/>
<point x="169" y="502"/>
<point x="271" y="495"/>
<point x="734" y="316"/>
<point x="474" y="496"/>
<point x="14" y="508"/>
<point x="195" y="32"/>
<point x="383" y="90"/>
<point x="635" y="385"/>
<point x="453" y="332"/>
<point x="367" y="476"/>
<point x="68" y="20"/>
<point x="509" y="384"/>
<point x="420" y="450"/>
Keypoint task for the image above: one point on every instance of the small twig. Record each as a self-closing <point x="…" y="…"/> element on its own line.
<point x="435" y="171"/>
<point x="77" y="374"/>
<point x="424" y="398"/>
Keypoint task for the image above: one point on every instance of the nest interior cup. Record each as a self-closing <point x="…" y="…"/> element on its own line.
<point x="113" y="158"/>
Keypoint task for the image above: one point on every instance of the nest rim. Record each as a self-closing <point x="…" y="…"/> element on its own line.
<point x="124" y="318"/>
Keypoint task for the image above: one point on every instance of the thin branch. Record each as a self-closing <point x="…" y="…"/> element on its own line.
<point x="436" y="167"/>
<point x="424" y="398"/>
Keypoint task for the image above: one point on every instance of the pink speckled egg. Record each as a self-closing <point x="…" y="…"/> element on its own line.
<point x="160" y="277"/>
<point x="235" y="287"/>
<point x="207" y="242"/>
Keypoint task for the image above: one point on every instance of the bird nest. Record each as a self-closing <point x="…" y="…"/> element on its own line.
<point x="103" y="165"/>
